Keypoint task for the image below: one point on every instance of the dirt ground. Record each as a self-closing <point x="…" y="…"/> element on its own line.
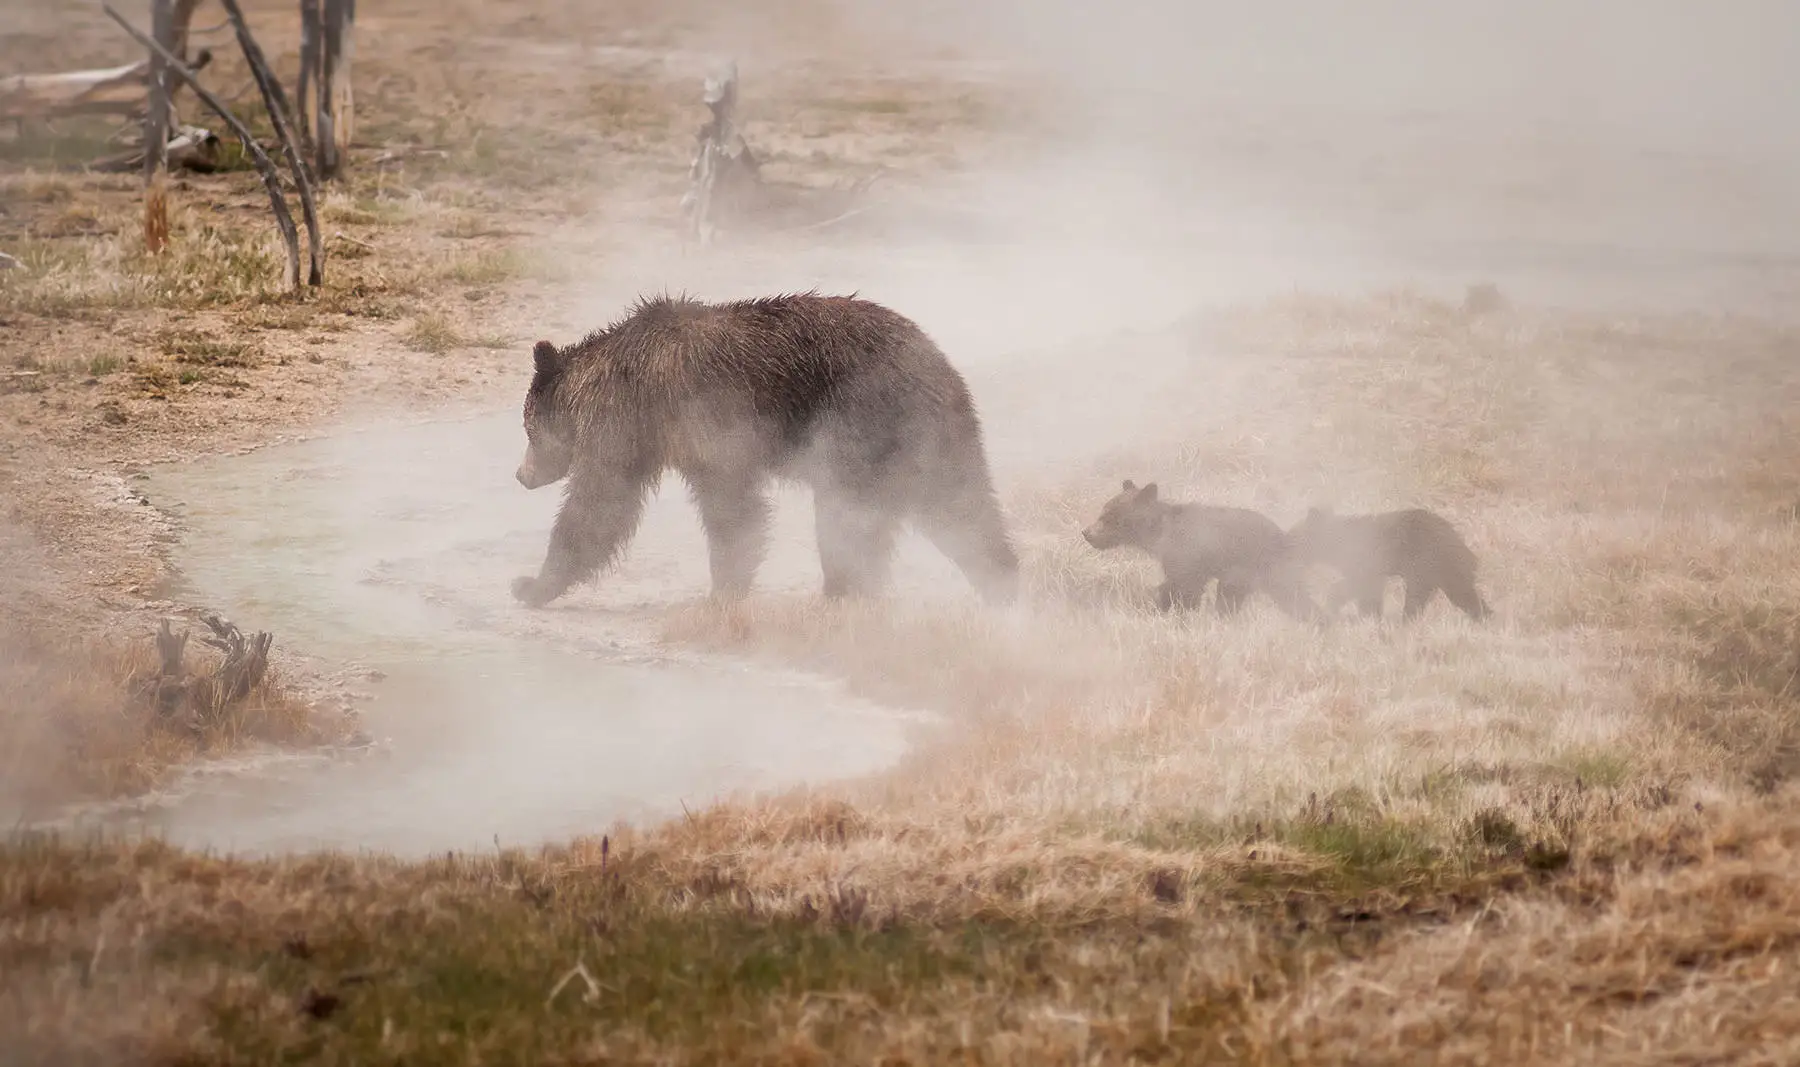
<point x="1567" y="838"/>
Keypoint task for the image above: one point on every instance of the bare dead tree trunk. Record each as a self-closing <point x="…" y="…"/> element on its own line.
<point x="343" y="95"/>
<point x="276" y="102"/>
<point x="271" y="178"/>
<point x="311" y="25"/>
<point x="157" y="118"/>
<point x="336" y="112"/>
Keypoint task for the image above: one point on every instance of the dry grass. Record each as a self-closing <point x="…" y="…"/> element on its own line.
<point x="1563" y="836"/>
<point x="81" y="722"/>
<point x="1567" y="836"/>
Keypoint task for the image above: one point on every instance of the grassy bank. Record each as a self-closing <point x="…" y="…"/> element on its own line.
<point x="1568" y="835"/>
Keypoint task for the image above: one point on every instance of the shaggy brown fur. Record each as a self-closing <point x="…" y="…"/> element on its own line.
<point x="1420" y="547"/>
<point x="1197" y="543"/>
<point x="839" y="393"/>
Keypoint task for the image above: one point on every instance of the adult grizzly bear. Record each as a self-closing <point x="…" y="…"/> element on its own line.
<point x="839" y="393"/>
<point x="1196" y="543"/>
<point x="1418" y="546"/>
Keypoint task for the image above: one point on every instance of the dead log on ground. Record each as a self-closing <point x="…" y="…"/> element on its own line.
<point x="121" y="90"/>
<point x="276" y="103"/>
<point x="271" y="179"/>
<point x="192" y="148"/>
<point x="114" y="90"/>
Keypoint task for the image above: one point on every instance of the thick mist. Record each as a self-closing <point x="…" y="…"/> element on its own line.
<point x="1164" y="159"/>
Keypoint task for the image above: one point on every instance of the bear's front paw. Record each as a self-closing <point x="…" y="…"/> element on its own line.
<point x="530" y="592"/>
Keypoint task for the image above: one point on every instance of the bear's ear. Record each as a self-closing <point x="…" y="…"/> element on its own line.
<point x="544" y="357"/>
<point x="1317" y="512"/>
<point x="1148" y="493"/>
<point x="1130" y="485"/>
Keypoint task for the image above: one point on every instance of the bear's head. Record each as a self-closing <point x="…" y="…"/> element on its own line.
<point x="1134" y="517"/>
<point x="549" y="431"/>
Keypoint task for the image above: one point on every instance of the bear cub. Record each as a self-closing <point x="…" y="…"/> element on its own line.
<point x="1419" y="547"/>
<point x="1246" y="552"/>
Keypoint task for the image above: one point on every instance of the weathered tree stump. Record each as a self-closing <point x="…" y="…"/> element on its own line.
<point x="246" y="659"/>
<point x="724" y="169"/>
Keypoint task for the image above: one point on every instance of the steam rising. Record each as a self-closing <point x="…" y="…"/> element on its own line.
<point x="1167" y="158"/>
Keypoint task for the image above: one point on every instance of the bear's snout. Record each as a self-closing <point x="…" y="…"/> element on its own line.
<point x="1090" y="537"/>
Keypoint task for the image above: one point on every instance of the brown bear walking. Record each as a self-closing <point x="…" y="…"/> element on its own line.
<point x="1418" y="546"/>
<point x="840" y="393"/>
<point x="1196" y="543"/>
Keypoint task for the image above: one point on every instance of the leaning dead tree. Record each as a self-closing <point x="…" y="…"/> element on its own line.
<point x="271" y="178"/>
<point x="275" y="101"/>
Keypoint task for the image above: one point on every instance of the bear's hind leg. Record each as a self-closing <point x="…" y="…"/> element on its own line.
<point x="856" y="543"/>
<point x="735" y="515"/>
<point x="968" y="528"/>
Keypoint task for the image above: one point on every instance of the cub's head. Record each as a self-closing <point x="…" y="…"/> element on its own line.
<point x="1134" y="517"/>
<point x="549" y="430"/>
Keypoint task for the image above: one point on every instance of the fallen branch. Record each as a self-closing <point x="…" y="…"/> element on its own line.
<point x="276" y="103"/>
<point x="271" y="179"/>
<point x="194" y="148"/>
<point x="394" y="155"/>
<point x="8" y="262"/>
<point x="578" y="971"/>
<point x="114" y="89"/>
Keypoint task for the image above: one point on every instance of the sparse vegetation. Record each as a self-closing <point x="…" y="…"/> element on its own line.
<point x="1568" y="835"/>
<point x="83" y="721"/>
<point x="433" y="333"/>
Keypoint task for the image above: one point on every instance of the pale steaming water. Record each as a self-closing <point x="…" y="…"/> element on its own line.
<point x="393" y="548"/>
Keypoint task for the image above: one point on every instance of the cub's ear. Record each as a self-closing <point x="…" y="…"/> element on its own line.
<point x="1130" y="485"/>
<point x="1148" y="493"/>
<point x="545" y="358"/>
<point x="1318" y="511"/>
